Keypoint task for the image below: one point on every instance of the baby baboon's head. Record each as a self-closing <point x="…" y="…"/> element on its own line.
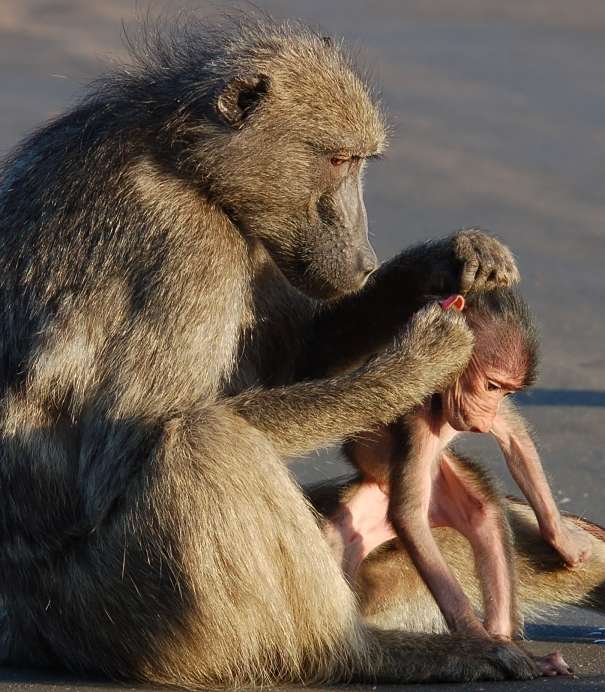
<point x="504" y="359"/>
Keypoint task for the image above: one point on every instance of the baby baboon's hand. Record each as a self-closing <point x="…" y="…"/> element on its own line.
<point x="470" y="260"/>
<point x="572" y="543"/>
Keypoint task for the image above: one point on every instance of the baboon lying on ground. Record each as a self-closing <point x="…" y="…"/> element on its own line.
<point x="183" y="260"/>
<point x="412" y="480"/>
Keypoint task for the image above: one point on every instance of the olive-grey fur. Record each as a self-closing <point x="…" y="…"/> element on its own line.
<point x="155" y="365"/>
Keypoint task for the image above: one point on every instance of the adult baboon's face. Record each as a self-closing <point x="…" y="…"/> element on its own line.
<point x="293" y="150"/>
<point x="323" y="247"/>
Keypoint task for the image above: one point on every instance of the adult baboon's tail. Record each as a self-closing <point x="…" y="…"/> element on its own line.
<point x="543" y="579"/>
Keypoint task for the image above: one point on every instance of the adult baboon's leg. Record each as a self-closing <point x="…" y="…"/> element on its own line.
<point x="211" y="571"/>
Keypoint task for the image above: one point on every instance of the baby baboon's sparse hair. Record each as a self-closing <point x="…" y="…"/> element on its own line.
<point x="504" y="331"/>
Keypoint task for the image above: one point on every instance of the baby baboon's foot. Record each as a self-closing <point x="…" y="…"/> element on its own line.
<point x="552" y="664"/>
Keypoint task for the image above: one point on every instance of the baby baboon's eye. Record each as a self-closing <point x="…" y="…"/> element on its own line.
<point x="492" y="386"/>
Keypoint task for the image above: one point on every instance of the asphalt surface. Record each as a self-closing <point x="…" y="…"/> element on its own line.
<point x="498" y="119"/>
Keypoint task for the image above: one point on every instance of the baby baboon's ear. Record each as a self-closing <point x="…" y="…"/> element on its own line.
<point x="239" y="97"/>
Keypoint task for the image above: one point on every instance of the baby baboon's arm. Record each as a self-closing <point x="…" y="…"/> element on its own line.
<point x="523" y="460"/>
<point x="421" y="496"/>
<point x="346" y="332"/>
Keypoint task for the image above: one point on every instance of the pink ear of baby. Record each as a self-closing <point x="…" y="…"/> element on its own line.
<point x="456" y="302"/>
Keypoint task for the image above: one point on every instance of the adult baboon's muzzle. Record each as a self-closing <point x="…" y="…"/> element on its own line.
<point x="348" y="201"/>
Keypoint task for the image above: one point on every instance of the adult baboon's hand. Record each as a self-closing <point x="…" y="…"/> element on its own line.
<point x="431" y="352"/>
<point x="471" y="260"/>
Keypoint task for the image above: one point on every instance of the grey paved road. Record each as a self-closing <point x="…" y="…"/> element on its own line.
<point x="498" y="114"/>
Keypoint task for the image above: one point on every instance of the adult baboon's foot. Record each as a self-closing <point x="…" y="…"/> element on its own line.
<point x="408" y="657"/>
<point x="490" y="660"/>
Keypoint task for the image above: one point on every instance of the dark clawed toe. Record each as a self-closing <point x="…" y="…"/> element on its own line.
<point x="516" y="664"/>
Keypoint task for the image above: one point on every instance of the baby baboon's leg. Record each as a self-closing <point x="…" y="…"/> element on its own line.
<point x="358" y="525"/>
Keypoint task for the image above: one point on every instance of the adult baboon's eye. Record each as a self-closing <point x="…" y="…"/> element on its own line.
<point x="492" y="386"/>
<point x="339" y="160"/>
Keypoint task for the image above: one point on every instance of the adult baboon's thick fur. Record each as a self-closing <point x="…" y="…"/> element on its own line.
<point x="165" y="249"/>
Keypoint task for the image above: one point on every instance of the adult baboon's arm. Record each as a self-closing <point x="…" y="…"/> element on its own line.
<point x="301" y="417"/>
<point x="345" y="333"/>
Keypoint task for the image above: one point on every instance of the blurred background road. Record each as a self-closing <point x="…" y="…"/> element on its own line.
<point x="498" y="119"/>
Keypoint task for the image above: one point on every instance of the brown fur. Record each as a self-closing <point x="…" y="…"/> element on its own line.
<point x="165" y="247"/>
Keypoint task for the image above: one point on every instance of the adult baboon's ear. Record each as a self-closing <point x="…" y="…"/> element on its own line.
<point x="239" y="97"/>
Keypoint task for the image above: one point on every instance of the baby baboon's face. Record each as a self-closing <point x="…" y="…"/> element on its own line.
<point x="472" y="403"/>
<point x="504" y="358"/>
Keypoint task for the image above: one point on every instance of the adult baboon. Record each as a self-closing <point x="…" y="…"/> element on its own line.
<point x="167" y="249"/>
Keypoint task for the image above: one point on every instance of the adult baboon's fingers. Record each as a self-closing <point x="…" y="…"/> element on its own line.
<point x="507" y="273"/>
<point x="468" y="276"/>
<point x="486" y="262"/>
<point x="484" y="274"/>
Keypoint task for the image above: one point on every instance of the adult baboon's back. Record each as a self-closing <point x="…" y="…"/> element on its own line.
<point x="165" y="251"/>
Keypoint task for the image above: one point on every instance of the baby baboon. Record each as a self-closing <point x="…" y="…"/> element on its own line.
<point x="167" y="252"/>
<point x="412" y="481"/>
